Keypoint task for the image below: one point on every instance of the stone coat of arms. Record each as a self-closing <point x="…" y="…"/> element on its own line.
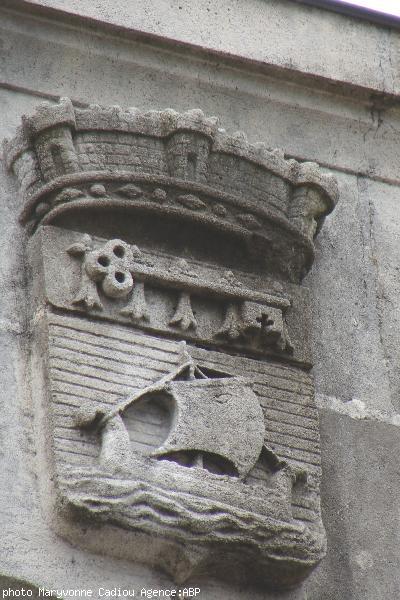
<point x="170" y="339"/>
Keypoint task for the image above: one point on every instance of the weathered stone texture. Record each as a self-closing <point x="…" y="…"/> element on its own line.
<point x="292" y="32"/>
<point x="183" y="448"/>
<point x="360" y="463"/>
<point x="348" y="321"/>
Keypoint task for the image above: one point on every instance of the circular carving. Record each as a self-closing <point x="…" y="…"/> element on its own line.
<point x="117" y="283"/>
<point x="111" y="265"/>
<point x="98" y="190"/>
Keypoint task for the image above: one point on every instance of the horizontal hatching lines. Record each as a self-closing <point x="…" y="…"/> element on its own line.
<point x="67" y="397"/>
<point x="64" y="414"/>
<point x="150" y="413"/>
<point x="306" y="502"/>
<point x="75" y="435"/>
<point x="65" y="404"/>
<point x="74" y="447"/>
<point x="151" y="427"/>
<point x="274" y="380"/>
<point x="75" y="442"/>
<point x="286" y="417"/>
<point x="59" y="385"/>
<point x="87" y="382"/>
<point x="292" y="442"/>
<point x="257" y="473"/>
<point x="104" y="370"/>
<point x="299" y="393"/>
<point x="251" y="366"/>
<point x="106" y="358"/>
<point x="284" y="406"/>
<point x="304" y="458"/>
<point x="65" y="409"/>
<point x="92" y="362"/>
<point x="139" y="432"/>
<point x="74" y="457"/>
<point x="102" y="375"/>
<point x="305" y="508"/>
<point x="106" y="334"/>
<point x="292" y="430"/>
<point x="262" y="369"/>
<point x="292" y="397"/>
<point x="142" y="446"/>
<point x="71" y="441"/>
<point x="125" y="354"/>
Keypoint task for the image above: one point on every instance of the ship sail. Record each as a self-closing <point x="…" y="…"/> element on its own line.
<point x="221" y="416"/>
<point x="217" y="418"/>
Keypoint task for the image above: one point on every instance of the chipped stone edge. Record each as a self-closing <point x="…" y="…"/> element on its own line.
<point x="356" y="409"/>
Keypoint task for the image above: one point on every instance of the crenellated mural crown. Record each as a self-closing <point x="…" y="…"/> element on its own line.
<point x="179" y="165"/>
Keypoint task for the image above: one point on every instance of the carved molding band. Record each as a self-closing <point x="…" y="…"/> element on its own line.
<point x="173" y="296"/>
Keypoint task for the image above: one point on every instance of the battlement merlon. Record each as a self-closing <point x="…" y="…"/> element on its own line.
<point x="163" y="124"/>
<point x="179" y="165"/>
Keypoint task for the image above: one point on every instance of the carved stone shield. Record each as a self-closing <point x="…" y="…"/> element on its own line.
<point x="170" y="348"/>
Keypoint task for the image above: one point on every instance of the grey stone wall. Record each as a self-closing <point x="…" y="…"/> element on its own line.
<point x="322" y="87"/>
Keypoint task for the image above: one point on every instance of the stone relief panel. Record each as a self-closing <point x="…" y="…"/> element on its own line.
<point x="170" y="339"/>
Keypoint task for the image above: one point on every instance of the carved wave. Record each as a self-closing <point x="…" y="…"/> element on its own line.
<point x="137" y="505"/>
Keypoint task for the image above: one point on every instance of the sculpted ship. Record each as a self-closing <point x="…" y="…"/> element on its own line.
<point x="190" y="411"/>
<point x="214" y="426"/>
<point x="170" y="340"/>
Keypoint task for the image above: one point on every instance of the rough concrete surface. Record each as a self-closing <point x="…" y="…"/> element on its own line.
<point x="382" y="201"/>
<point x="360" y="508"/>
<point x="347" y="331"/>
<point x="280" y="33"/>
